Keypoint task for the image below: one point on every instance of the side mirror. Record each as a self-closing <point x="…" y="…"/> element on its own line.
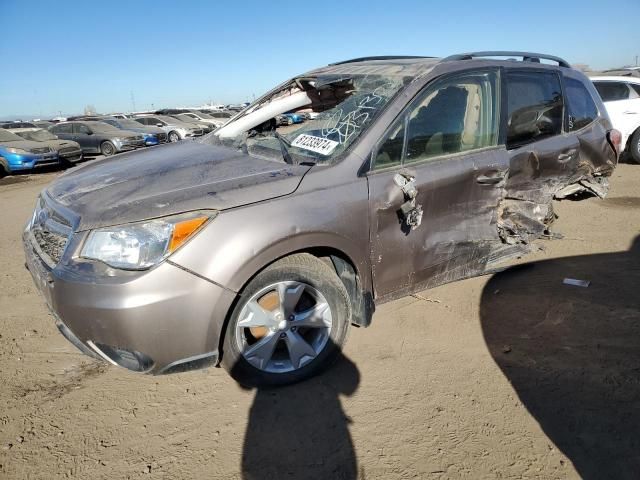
<point x="159" y="125"/>
<point x="89" y="132"/>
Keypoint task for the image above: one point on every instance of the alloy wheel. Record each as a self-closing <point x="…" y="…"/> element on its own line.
<point x="283" y="327"/>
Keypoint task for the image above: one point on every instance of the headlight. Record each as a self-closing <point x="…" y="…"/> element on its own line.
<point x="17" y="150"/>
<point x="137" y="246"/>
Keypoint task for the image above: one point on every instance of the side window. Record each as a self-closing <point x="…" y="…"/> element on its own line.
<point x="580" y="105"/>
<point x="453" y="115"/>
<point x="63" y="128"/>
<point x="635" y="87"/>
<point x="143" y="120"/>
<point x="534" y="107"/>
<point x="111" y="122"/>
<point x="612" y="91"/>
<point x="80" y="128"/>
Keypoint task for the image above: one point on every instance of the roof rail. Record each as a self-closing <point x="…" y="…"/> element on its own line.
<point x="526" y="57"/>
<point x="382" y="57"/>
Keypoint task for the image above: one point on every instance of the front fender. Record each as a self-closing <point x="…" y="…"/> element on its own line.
<point x="240" y="242"/>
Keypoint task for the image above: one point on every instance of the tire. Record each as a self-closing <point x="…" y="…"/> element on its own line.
<point x="173" y="137"/>
<point x="634" y="146"/>
<point x="268" y="353"/>
<point x="107" y="148"/>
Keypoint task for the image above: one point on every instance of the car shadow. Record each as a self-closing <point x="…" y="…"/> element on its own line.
<point x="572" y="354"/>
<point x="301" y="431"/>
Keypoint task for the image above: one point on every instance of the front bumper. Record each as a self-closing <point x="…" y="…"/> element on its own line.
<point x="29" y="161"/>
<point x="164" y="319"/>
<point x="129" y="145"/>
<point x="71" y="156"/>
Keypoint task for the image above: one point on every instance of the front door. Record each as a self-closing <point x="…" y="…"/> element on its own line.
<point x="86" y="138"/>
<point x="436" y="180"/>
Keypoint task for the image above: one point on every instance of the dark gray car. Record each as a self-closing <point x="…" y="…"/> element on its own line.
<point x="259" y="247"/>
<point x="98" y="137"/>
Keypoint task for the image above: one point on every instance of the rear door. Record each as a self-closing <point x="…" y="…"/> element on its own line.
<point x="542" y="156"/>
<point x="446" y="145"/>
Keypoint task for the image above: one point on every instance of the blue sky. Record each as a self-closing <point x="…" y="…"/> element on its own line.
<point x="63" y="55"/>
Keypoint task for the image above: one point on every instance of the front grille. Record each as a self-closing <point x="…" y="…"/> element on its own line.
<point x="40" y="150"/>
<point x="50" y="233"/>
<point x="64" y="150"/>
<point x="134" y="141"/>
<point x="197" y="131"/>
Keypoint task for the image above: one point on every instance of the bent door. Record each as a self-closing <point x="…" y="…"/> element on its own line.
<point x="445" y="147"/>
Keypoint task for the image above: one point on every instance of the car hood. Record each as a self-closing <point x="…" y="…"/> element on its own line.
<point x="58" y="144"/>
<point x="167" y="180"/>
<point x="24" y="144"/>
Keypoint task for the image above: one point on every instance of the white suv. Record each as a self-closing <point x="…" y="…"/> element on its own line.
<point x="621" y="97"/>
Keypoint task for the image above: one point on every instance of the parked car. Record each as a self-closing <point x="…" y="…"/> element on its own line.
<point x="98" y="137"/>
<point x="221" y="114"/>
<point x="283" y="120"/>
<point x="621" y="97"/>
<point x="203" y="118"/>
<point x="260" y="248"/>
<point x="18" y="124"/>
<point x="183" y="117"/>
<point x="43" y="123"/>
<point x="175" y="129"/>
<point x="295" y="117"/>
<point x="68" y="152"/>
<point x="18" y="154"/>
<point x="152" y="135"/>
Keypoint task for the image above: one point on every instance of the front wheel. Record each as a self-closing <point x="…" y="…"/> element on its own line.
<point x="634" y="146"/>
<point x="174" y="137"/>
<point x="290" y="323"/>
<point x="107" y="148"/>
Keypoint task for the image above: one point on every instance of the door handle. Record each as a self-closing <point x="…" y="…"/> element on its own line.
<point x="630" y="113"/>
<point x="490" y="179"/>
<point x="568" y="155"/>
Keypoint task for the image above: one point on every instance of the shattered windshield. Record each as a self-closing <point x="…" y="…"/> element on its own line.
<point x="333" y="110"/>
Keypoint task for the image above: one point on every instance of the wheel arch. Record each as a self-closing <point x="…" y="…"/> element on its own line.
<point x="354" y="275"/>
<point x="4" y="166"/>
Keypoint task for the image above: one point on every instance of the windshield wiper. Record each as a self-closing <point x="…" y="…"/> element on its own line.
<point x="284" y="148"/>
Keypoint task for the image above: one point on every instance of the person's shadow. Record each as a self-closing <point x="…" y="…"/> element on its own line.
<point x="300" y="431"/>
<point x="573" y="354"/>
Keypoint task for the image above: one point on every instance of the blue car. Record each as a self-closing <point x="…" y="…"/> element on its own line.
<point x="18" y="154"/>
<point x="295" y="117"/>
<point x="152" y="135"/>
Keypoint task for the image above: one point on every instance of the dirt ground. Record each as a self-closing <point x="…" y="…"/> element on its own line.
<point x="507" y="376"/>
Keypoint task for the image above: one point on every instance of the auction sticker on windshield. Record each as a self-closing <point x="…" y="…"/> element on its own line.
<point x="324" y="146"/>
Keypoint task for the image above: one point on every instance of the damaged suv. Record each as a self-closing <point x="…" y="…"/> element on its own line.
<point x="258" y="246"/>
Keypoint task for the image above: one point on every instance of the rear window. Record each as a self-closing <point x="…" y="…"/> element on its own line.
<point x="612" y="91"/>
<point x="581" y="108"/>
<point x="636" y="87"/>
<point x="534" y="107"/>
